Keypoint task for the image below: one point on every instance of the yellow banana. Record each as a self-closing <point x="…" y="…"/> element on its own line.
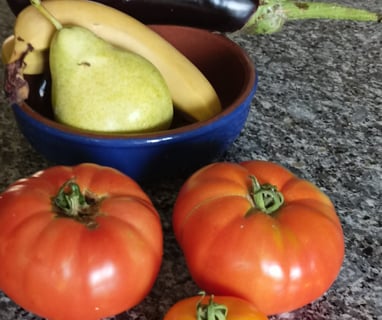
<point x="191" y="92"/>
<point x="6" y="49"/>
<point x="35" y="61"/>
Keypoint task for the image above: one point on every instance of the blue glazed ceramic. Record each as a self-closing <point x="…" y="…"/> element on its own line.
<point x="175" y="152"/>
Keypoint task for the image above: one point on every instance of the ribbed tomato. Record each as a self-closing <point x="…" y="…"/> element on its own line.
<point x="256" y="231"/>
<point x="213" y="307"/>
<point x="82" y="242"/>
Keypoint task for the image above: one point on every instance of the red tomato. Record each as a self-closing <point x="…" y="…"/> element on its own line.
<point x="87" y="258"/>
<point x="222" y="308"/>
<point x="278" y="250"/>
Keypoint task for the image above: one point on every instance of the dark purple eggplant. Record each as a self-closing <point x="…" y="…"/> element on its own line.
<point x="218" y="15"/>
<point x="252" y="16"/>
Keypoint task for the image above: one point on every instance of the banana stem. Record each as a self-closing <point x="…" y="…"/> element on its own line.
<point x="271" y="15"/>
<point x="39" y="6"/>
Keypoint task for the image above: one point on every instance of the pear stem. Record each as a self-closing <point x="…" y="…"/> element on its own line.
<point x="40" y="7"/>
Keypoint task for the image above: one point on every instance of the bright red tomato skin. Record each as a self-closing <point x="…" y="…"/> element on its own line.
<point x="238" y="309"/>
<point x="59" y="268"/>
<point x="280" y="261"/>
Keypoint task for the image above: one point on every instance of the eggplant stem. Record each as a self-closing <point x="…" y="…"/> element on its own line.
<point x="322" y="10"/>
<point x="271" y="15"/>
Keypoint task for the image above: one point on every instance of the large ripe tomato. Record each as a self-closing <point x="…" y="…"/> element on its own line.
<point x="212" y="307"/>
<point x="76" y="256"/>
<point x="276" y="242"/>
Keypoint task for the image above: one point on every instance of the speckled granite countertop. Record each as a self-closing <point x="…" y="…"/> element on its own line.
<point x="318" y="111"/>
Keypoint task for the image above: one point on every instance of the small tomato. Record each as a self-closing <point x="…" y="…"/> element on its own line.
<point x="256" y="231"/>
<point x="219" y="308"/>
<point x="82" y="242"/>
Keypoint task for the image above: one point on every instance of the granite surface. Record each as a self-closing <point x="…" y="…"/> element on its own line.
<point x="318" y="111"/>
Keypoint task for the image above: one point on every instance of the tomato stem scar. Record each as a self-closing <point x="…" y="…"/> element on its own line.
<point x="70" y="202"/>
<point x="266" y="197"/>
<point x="210" y="311"/>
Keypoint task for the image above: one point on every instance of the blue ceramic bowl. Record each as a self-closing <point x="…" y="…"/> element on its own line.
<point x="175" y="152"/>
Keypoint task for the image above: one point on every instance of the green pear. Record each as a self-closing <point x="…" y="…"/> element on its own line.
<point x="99" y="87"/>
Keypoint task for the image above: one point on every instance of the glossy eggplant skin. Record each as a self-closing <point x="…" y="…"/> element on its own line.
<point x="215" y="15"/>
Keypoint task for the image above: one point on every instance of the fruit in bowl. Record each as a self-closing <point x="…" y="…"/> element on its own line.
<point x="85" y="70"/>
<point x="179" y="150"/>
<point x="36" y="45"/>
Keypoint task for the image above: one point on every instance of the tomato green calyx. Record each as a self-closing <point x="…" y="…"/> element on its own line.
<point x="266" y="197"/>
<point x="70" y="202"/>
<point x="210" y="311"/>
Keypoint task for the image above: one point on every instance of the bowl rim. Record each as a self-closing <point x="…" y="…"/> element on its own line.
<point x="250" y="81"/>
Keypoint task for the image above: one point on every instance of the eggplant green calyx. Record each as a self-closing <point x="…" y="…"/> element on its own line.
<point x="266" y="197"/>
<point x="210" y="311"/>
<point x="271" y="15"/>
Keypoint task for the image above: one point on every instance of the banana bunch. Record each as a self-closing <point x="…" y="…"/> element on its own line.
<point x="192" y="93"/>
